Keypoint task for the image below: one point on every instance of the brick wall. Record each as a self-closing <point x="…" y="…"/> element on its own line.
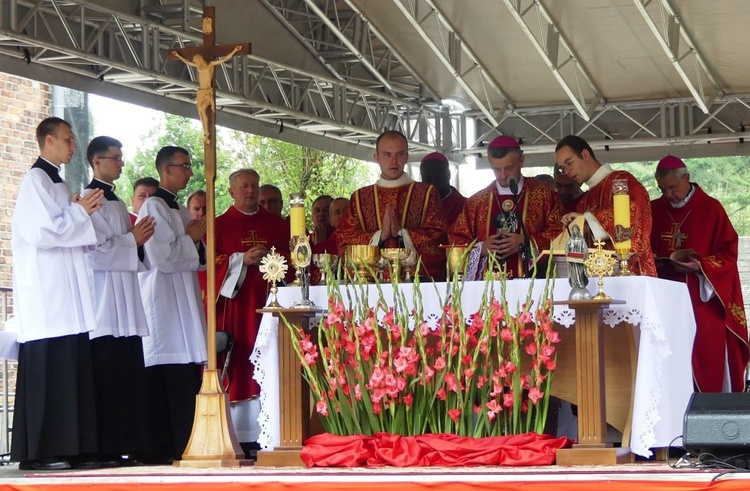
<point x="23" y="104"/>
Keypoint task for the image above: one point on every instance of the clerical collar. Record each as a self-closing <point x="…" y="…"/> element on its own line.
<point x="108" y="188"/>
<point x="684" y="200"/>
<point x="52" y="170"/>
<point x="246" y="213"/>
<point x="600" y="174"/>
<point x="168" y="196"/>
<point x="395" y="183"/>
<point x="503" y="190"/>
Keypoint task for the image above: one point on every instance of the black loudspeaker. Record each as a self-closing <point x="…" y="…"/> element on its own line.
<point x="717" y="423"/>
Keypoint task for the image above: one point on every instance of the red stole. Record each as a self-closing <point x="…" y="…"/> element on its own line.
<point x="703" y="225"/>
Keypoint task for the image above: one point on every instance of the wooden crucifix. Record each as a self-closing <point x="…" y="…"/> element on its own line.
<point x="213" y="442"/>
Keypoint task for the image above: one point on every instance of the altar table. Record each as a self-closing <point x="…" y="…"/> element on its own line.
<point x="660" y="311"/>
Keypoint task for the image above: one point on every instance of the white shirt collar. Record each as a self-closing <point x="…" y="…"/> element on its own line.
<point x="247" y="214"/>
<point x="598" y="176"/>
<point x="395" y="183"/>
<point x="503" y="190"/>
<point x="685" y="200"/>
<point x="110" y="184"/>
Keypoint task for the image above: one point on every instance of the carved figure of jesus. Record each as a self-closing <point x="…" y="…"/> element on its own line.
<point x="205" y="96"/>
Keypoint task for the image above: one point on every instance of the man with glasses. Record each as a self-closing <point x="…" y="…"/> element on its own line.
<point x="175" y="351"/>
<point x="269" y="197"/>
<point x="576" y="159"/>
<point x="694" y="229"/>
<point x="116" y="347"/>
<point x="514" y="218"/>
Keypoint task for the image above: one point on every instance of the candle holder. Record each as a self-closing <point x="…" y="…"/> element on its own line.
<point x="622" y="232"/>
<point x="274" y="268"/>
<point x="301" y="256"/>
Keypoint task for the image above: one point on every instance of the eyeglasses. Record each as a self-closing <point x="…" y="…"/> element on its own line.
<point x="116" y="158"/>
<point x="567" y="163"/>
<point x="184" y="166"/>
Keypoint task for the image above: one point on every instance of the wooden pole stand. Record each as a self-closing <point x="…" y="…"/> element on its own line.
<point x="294" y="393"/>
<point x="592" y="447"/>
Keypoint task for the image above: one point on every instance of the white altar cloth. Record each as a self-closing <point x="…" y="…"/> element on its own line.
<point x="663" y="382"/>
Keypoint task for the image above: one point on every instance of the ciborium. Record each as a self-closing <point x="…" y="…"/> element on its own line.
<point x="325" y="263"/>
<point x="457" y="260"/>
<point x="364" y="258"/>
<point x="395" y="257"/>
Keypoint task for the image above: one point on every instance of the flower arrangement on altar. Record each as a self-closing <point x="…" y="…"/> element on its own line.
<point x="381" y="369"/>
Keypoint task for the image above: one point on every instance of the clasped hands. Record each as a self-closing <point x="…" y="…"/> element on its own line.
<point x="391" y="224"/>
<point x="502" y="244"/>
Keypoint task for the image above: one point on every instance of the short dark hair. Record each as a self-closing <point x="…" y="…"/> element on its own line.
<point x="197" y="192"/>
<point x="271" y="187"/>
<point x="322" y="197"/>
<point x="99" y="145"/>
<point x="146" y="181"/>
<point x="165" y="154"/>
<point x="390" y="134"/>
<point x="577" y="144"/>
<point x="48" y="127"/>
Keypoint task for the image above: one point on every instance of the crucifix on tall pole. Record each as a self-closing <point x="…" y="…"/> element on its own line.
<point x="213" y="442"/>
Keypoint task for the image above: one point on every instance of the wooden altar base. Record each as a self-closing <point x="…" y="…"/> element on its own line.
<point x="640" y="475"/>
<point x="594" y="456"/>
<point x="281" y="457"/>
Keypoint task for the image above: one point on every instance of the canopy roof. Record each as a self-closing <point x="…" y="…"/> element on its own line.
<point x="636" y="78"/>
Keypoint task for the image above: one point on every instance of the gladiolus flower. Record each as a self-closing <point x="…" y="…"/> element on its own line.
<point x="357" y="393"/>
<point x="450" y="382"/>
<point x="535" y="394"/>
<point x="440" y="363"/>
<point x="408" y="399"/>
<point x="531" y="348"/>
<point x="493" y="408"/>
<point x="508" y="399"/>
<point x="525" y="318"/>
<point x="440" y="394"/>
<point x="552" y="336"/>
<point x="322" y="408"/>
<point x="506" y="335"/>
<point x="454" y="414"/>
<point x="548" y="350"/>
<point x="376" y="408"/>
<point x="550" y="365"/>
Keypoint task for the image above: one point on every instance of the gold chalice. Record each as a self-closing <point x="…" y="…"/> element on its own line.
<point x="457" y="260"/>
<point x="395" y="256"/>
<point x="408" y="264"/>
<point x="325" y="262"/>
<point x="364" y="258"/>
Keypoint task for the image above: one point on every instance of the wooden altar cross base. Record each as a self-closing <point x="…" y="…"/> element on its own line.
<point x="592" y="447"/>
<point x="294" y="393"/>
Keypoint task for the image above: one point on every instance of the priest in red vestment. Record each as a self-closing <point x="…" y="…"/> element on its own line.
<point x="567" y="190"/>
<point x="576" y="159"/>
<point x="396" y="211"/>
<point x="514" y="218"/>
<point x="244" y="234"/>
<point x="434" y="169"/>
<point x="686" y="219"/>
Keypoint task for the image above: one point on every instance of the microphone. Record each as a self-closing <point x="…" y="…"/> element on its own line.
<point x="513" y="185"/>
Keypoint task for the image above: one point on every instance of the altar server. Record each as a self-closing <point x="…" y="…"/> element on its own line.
<point x="54" y="418"/>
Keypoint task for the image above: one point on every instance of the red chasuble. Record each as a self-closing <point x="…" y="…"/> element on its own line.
<point x="703" y="225"/>
<point x="539" y="207"/>
<point x="452" y="205"/>
<point x="237" y="232"/>
<point x="418" y="207"/>
<point x="599" y="201"/>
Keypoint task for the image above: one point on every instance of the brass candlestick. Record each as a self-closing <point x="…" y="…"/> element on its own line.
<point x="274" y="268"/>
<point x="600" y="263"/>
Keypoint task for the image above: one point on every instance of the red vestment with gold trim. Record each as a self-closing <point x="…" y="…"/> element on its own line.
<point x="419" y="210"/>
<point x="599" y="201"/>
<point x="236" y="233"/>
<point x="703" y="225"/>
<point x="538" y="205"/>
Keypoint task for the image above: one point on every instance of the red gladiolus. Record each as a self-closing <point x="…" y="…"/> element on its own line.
<point x="535" y="394"/>
<point x="408" y="399"/>
<point x="440" y="394"/>
<point x="454" y="414"/>
<point x="531" y="348"/>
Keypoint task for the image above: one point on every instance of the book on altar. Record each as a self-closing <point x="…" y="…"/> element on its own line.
<point x="678" y="256"/>
<point x="589" y="226"/>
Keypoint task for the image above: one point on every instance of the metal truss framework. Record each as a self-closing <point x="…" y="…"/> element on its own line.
<point x="367" y="86"/>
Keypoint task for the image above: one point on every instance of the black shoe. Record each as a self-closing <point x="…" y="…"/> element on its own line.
<point x="85" y="463"/>
<point x="45" y="464"/>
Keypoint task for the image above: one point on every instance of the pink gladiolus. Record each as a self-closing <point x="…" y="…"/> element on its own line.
<point x="408" y="399"/>
<point x="550" y="365"/>
<point x="357" y="393"/>
<point x="524" y="318"/>
<point x="429" y="373"/>
<point x="377" y="377"/>
<point x="440" y="363"/>
<point x="552" y="336"/>
<point x="400" y="364"/>
<point x="468" y="373"/>
<point x="310" y="359"/>
<point x="376" y="408"/>
<point x="506" y="335"/>
<point x="508" y="399"/>
<point x="548" y="350"/>
<point x="440" y="394"/>
<point x="450" y="382"/>
<point x="531" y="348"/>
<point x="454" y="414"/>
<point x="481" y="379"/>
<point x="493" y="408"/>
<point x="400" y="384"/>
<point x="525" y="381"/>
<point x="424" y="330"/>
<point x="377" y="395"/>
<point x="477" y="409"/>
<point x="535" y="394"/>
<point x="483" y="347"/>
<point x="322" y="408"/>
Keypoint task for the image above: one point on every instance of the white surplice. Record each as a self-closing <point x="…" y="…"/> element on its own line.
<point x="113" y="270"/>
<point x="52" y="295"/>
<point x="169" y="289"/>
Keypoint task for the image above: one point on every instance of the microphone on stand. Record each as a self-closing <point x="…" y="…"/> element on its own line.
<point x="513" y="185"/>
<point x="523" y="248"/>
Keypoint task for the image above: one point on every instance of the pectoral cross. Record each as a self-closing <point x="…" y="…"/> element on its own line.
<point x="675" y="237"/>
<point x="252" y="239"/>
